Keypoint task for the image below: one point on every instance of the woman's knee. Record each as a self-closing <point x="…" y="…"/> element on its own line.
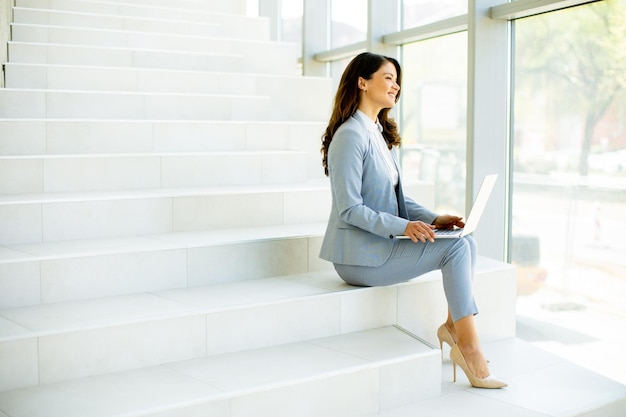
<point x="473" y="247"/>
<point x="462" y="250"/>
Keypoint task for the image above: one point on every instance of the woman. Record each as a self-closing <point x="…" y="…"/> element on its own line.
<point x="370" y="210"/>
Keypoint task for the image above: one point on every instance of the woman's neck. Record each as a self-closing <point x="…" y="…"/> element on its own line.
<point x="370" y="112"/>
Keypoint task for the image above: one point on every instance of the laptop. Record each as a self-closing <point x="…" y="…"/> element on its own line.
<point x="475" y="213"/>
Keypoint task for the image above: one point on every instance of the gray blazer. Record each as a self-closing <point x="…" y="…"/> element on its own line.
<point x="367" y="210"/>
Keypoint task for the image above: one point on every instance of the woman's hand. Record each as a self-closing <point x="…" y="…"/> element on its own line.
<point x="448" y="221"/>
<point x="421" y="231"/>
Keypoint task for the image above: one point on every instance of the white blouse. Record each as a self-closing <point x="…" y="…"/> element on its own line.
<point x="376" y="130"/>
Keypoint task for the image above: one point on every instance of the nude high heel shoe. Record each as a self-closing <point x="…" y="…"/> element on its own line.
<point x="444" y="335"/>
<point x="488" y="382"/>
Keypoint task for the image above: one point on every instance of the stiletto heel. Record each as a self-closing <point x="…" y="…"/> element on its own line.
<point x="453" y="371"/>
<point x="488" y="382"/>
<point x="444" y="335"/>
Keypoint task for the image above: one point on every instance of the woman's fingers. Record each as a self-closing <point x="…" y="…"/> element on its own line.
<point x="420" y="231"/>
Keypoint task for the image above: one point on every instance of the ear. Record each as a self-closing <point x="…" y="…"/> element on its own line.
<point x="361" y="84"/>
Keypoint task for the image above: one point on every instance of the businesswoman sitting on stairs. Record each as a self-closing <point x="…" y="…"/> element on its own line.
<point x="369" y="210"/>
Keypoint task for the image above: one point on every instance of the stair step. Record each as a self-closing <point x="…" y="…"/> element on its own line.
<point x="97" y="336"/>
<point x="285" y="106"/>
<point x="345" y="375"/>
<point x="237" y="7"/>
<point x="148" y="50"/>
<point x="57" y="54"/>
<point x="75" y="173"/>
<point x="93" y="78"/>
<point x="280" y="382"/>
<point x="31" y="218"/>
<point x="55" y="271"/>
<point x="73" y="339"/>
<point x="145" y="10"/>
<point x="49" y="217"/>
<point x="43" y="273"/>
<point x="75" y="137"/>
<point x="228" y="26"/>
<point x="38" y="104"/>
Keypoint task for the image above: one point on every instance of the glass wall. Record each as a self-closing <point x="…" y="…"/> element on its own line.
<point x="291" y="15"/>
<point x="421" y="12"/>
<point x="433" y="117"/>
<point x="569" y="182"/>
<point x="348" y="22"/>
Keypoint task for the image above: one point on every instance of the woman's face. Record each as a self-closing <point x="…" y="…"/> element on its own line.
<point x="381" y="90"/>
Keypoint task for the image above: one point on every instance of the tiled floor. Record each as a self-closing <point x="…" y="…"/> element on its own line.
<point x="587" y="334"/>
<point x="540" y="385"/>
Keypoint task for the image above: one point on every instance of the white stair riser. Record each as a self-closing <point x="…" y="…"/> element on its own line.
<point x="41" y="137"/>
<point x="31" y="283"/>
<point x="31" y="222"/>
<point x="494" y="290"/>
<point x="146" y="11"/>
<point x="222" y="26"/>
<point x="231" y="6"/>
<point x="20" y="104"/>
<point x="29" y="76"/>
<point x="59" y="174"/>
<point x="312" y="103"/>
<point x="124" y="57"/>
<point x="264" y="57"/>
<point x="117" y="345"/>
<point x="215" y="6"/>
<point x="347" y="395"/>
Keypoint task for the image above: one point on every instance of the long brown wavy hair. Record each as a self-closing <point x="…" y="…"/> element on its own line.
<point x="348" y="96"/>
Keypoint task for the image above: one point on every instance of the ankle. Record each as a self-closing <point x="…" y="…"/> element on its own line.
<point x="450" y="326"/>
<point x="469" y="348"/>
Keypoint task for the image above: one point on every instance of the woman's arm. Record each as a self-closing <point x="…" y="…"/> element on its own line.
<point x="346" y="157"/>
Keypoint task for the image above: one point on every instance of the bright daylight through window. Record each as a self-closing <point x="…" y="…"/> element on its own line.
<point x="569" y="182"/>
<point x="433" y="117"/>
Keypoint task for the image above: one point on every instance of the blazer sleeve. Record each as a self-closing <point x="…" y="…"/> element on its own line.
<point x="419" y="212"/>
<point x="346" y="160"/>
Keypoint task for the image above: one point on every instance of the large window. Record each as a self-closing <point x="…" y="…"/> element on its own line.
<point x="291" y="15"/>
<point x="569" y="181"/>
<point x="433" y="117"/>
<point x="348" y="22"/>
<point x="421" y="12"/>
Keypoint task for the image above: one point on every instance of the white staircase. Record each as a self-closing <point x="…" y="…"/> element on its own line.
<point x="161" y="209"/>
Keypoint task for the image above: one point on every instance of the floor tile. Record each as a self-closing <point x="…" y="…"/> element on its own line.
<point x="376" y="345"/>
<point x="513" y="357"/>
<point x="91" y="313"/>
<point x="241" y="293"/>
<point x="118" y="394"/>
<point x="9" y="329"/>
<point x="7" y="253"/>
<point x="63" y="249"/>
<point x="353" y="394"/>
<point x="461" y="404"/>
<point x="275" y="365"/>
<point x="327" y="280"/>
<point x="561" y="390"/>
